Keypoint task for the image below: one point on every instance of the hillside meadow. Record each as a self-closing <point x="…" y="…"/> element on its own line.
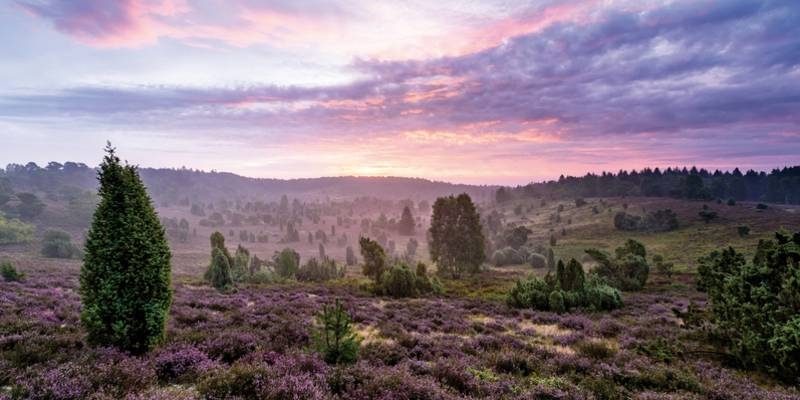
<point x="464" y="343"/>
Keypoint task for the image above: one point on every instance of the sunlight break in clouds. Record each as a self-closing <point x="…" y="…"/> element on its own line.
<point x="471" y="91"/>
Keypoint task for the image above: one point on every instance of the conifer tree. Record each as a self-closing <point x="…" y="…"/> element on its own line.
<point x="374" y="259"/>
<point x="456" y="240"/>
<point x="125" y="281"/>
<point x="406" y="224"/>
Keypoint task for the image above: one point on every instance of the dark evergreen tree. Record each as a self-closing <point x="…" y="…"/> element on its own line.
<point x="756" y="305"/>
<point x="374" y="258"/>
<point x="218" y="273"/>
<point x="406" y="224"/>
<point x="125" y="281"/>
<point x="350" y="256"/>
<point x="551" y="260"/>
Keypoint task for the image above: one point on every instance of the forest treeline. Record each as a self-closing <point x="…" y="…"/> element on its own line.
<point x="169" y="186"/>
<point x="777" y="186"/>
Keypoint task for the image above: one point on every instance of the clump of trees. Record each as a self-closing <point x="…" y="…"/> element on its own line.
<point x="755" y="305"/>
<point x="125" y="281"/>
<point x="568" y="289"/>
<point x="321" y="270"/>
<point x="656" y="221"/>
<point x="177" y="230"/>
<point x="58" y="244"/>
<point x="334" y="336"/>
<point x="286" y="263"/>
<point x="456" y="241"/>
<point x="401" y="281"/>
<point x="779" y="185"/>
<point x="627" y="269"/>
<point x="397" y="280"/>
<point x="507" y="256"/>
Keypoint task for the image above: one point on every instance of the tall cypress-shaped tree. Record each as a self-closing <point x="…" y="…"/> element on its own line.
<point x="406" y="224"/>
<point x="125" y="282"/>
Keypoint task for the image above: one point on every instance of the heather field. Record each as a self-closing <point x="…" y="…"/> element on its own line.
<point x="464" y="343"/>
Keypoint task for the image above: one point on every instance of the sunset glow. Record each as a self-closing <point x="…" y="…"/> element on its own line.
<point x="475" y="92"/>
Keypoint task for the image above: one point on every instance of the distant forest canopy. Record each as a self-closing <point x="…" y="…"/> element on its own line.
<point x="169" y="186"/>
<point x="778" y="186"/>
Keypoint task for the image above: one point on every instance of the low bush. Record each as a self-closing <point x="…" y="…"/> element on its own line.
<point x="58" y="244"/>
<point x="627" y="270"/>
<point x="537" y="260"/>
<point x="743" y="230"/>
<point x="507" y="256"/>
<point x="9" y="273"/>
<point x="569" y="289"/>
<point x="287" y="263"/>
<point x="14" y="231"/>
<point x="400" y="281"/>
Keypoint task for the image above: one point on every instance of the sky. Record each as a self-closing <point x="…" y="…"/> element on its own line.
<point x="495" y="91"/>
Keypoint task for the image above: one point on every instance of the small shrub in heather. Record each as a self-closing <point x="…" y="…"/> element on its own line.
<point x="181" y="364"/>
<point x="10" y="274"/>
<point x="334" y="336"/>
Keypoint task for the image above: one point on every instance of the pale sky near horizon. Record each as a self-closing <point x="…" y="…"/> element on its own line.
<point x="500" y="91"/>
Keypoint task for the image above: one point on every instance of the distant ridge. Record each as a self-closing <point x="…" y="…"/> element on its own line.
<point x="171" y="185"/>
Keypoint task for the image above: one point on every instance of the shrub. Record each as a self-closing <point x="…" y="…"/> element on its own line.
<point x="374" y="259"/>
<point x="58" y="244"/>
<point x="571" y="277"/>
<point x="125" y="282"/>
<point x="239" y="381"/>
<point x="600" y="296"/>
<point x="556" y="301"/>
<point x="663" y="267"/>
<point x="399" y="281"/>
<point x="218" y="273"/>
<point x="761" y="206"/>
<point x="350" y="256"/>
<point x="579" y="202"/>
<point x="287" y="263"/>
<point x="319" y="271"/>
<point x="426" y="283"/>
<point x="596" y="349"/>
<point x="530" y="293"/>
<point x="334" y="336"/>
<point x="657" y="221"/>
<point x="14" y="231"/>
<point x="567" y="290"/>
<point x="743" y="230"/>
<point x="537" y="260"/>
<point x="507" y="256"/>
<point x="10" y="274"/>
<point x="731" y="202"/>
<point x="628" y="270"/>
<point x="755" y="304"/>
<point x="240" y="269"/>
<point x="708" y="215"/>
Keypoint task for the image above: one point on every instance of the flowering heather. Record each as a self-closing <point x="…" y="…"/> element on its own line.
<point x="255" y="344"/>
